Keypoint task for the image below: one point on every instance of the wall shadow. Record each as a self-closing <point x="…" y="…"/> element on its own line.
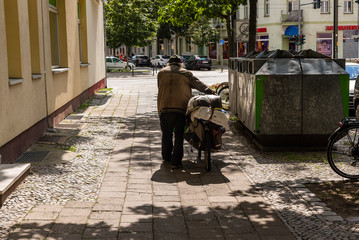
<point x="242" y="143"/>
<point x="168" y="220"/>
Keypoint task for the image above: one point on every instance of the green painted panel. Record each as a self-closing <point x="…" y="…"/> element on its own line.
<point x="259" y="95"/>
<point x="53" y="2"/>
<point x="344" y="88"/>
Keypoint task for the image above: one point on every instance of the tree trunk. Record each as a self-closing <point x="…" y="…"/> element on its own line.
<point x="176" y="48"/>
<point x="234" y="50"/>
<point x="229" y="34"/>
<point x="128" y="54"/>
<point x="176" y="41"/>
<point x="252" y="25"/>
<point x="157" y="45"/>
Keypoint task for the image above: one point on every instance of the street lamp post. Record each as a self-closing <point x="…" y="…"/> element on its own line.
<point x="299" y="27"/>
<point x="335" y="30"/>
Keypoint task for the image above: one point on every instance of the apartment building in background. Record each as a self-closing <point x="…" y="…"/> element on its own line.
<point x="277" y="24"/>
<point x="52" y="60"/>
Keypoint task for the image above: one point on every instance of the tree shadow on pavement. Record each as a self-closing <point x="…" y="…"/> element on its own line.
<point x="250" y="217"/>
<point x="166" y="221"/>
<point x="282" y="164"/>
<point x="193" y="222"/>
<point x="51" y="230"/>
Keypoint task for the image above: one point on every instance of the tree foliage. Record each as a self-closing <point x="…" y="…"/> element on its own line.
<point x="220" y="8"/>
<point x="202" y="33"/>
<point x="224" y="10"/>
<point x="179" y="15"/>
<point x="136" y="22"/>
<point x="130" y="23"/>
<point x="164" y="31"/>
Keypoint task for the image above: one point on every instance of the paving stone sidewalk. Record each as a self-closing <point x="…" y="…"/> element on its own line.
<point x="137" y="197"/>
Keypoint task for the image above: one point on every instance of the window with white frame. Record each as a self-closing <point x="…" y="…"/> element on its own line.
<point x="324" y="43"/>
<point x="83" y="47"/>
<point x="79" y="28"/>
<point x="266" y="7"/>
<point x="246" y="11"/>
<point x="324" y="8"/>
<point x="54" y="33"/>
<point x="12" y="35"/>
<point x="292" y="5"/>
<point x="34" y="36"/>
<point x="348" y="6"/>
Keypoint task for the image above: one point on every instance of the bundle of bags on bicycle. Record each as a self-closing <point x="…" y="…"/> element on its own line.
<point x="205" y="110"/>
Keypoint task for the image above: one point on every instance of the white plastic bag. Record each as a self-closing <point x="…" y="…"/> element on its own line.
<point x="221" y="118"/>
<point x="202" y="113"/>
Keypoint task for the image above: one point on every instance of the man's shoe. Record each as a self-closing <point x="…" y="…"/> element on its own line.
<point x="176" y="166"/>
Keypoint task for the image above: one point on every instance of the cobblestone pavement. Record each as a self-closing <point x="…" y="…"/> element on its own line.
<point x="281" y="176"/>
<point x="116" y="187"/>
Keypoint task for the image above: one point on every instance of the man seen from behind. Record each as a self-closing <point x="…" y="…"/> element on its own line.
<point x="175" y="85"/>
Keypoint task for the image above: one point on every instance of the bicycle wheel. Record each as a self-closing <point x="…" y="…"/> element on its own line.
<point x="224" y="94"/>
<point x="207" y="148"/>
<point x="343" y="152"/>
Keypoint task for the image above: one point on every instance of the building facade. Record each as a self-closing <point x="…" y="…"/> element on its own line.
<point x="52" y="59"/>
<point x="277" y="24"/>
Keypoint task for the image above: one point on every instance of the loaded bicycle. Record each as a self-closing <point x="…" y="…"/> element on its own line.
<point x="206" y="145"/>
<point x="343" y="149"/>
<point x="207" y="122"/>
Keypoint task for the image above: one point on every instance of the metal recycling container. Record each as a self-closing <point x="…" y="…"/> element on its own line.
<point x="289" y="99"/>
<point x="233" y="81"/>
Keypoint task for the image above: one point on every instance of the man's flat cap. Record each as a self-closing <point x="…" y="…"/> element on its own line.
<point x="175" y="58"/>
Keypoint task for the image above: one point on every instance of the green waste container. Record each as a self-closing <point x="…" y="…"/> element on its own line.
<point x="289" y="99"/>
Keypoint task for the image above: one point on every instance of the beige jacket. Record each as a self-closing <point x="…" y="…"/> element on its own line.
<point x="174" y="88"/>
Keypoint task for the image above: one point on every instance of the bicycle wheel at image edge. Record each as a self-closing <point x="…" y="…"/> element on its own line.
<point x="207" y="150"/>
<point x="343" y="152"/>
<point x="222" y="90"/>
<point x="224" y="94"/>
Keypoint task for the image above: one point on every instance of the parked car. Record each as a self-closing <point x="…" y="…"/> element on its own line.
<point x="198" y="62"/>
<point x="353" y="70"/>
<point x="124" y="58"/>
<point x="141" y="60"/>
<point x="116" y="63"/>
<point x="185" y="57"/>
<point x="160" y="60"/>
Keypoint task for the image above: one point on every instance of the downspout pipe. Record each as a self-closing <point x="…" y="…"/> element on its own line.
<point x="49" y="127"/>
<point x="104" y="35"/>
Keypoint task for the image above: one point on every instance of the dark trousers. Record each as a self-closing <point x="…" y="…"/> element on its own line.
<point x="169" y="121"/>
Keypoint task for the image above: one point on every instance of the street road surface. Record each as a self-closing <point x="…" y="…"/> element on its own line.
<point x="148" y="82"/>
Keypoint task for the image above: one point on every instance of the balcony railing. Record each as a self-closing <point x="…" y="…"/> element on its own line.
<point x="291" y="16"/>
